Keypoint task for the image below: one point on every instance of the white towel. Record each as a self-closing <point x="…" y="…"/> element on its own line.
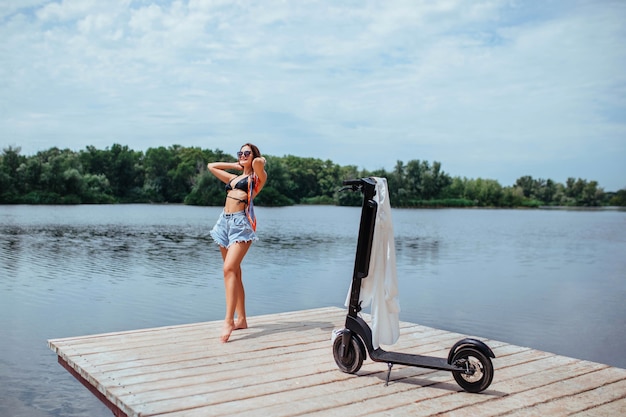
<point x="380" y="288"/>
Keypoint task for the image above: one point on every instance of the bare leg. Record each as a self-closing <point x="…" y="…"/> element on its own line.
<point x="233" y="285"/>
<point x="240" y="308"/>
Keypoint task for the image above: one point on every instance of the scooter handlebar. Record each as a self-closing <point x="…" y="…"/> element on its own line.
<point x="359" y="181"/>
<point x="352" y="185"/>
<point x="359" y="184"/>
<point x="353" y="181"/>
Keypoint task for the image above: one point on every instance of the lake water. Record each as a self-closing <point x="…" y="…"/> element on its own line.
<point x="553" y="280"/>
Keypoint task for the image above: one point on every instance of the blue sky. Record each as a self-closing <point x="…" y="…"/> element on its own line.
<point x="491" y="89"/>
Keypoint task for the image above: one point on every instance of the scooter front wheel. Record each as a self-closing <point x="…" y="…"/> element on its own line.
<point x="352" y="360"/>
<point x="478" y="369"/>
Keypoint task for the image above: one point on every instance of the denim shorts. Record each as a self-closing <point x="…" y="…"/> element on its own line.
<point x="232" y="228"/>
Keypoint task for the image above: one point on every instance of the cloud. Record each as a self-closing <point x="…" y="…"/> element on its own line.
<point x="490" y="88"/>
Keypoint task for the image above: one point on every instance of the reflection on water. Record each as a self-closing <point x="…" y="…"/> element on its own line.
<point x="552" y="280"/>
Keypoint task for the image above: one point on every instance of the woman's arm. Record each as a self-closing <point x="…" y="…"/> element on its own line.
<point x="219" y="170"/>
<point x="258" y="165"/>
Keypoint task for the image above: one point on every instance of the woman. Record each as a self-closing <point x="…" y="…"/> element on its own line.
<point x="236" y="226"/>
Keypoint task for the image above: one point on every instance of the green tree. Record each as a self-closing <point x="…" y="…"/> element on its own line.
<point x="456" y="188"/>
<point x="206" y="191"/>
<point x="435" y="180"/>
<point x="124" y="172"/>
<point x="158" y="163"/>
<point x="10" y="161"/>
<point x="582" y="192"/>
<point x="547" y="192"/>
<point x="328" y="179"/>
<point x="348" y="198"/>
<point x="302" y="177"/>
<point x="179" y="174"/>
<point x="537" y="191"/>
<point x="512" y="196"/>
<point x="574" y="187"/>
<point x="591" y="194"/>
<point x="413" y="178"/>
<point x="484" y="192"/>
<point x="396" y="182"/>
<point x="619" y="199"/>
<point x="189" y="162"/>
<point x="277" y="190"/>
<point x="527" y="184"/>
<point x="97" y="189"/>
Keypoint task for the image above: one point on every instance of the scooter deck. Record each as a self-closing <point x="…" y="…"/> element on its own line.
<point x="380" y="355"/>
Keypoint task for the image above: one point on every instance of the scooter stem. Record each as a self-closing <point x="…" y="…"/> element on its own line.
<point x="365" y="239"/>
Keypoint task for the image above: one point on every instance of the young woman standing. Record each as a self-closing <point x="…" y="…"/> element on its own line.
<point x="236" y="226"/>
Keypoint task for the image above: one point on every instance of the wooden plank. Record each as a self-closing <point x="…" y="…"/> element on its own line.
<point x="283" y="366"/>
<point x="117" y="412"/>
<point x="407" y="388"/>
<point x="366" y="392"/>
<point x="588" y="399"/>
<point x="610" y="409"/>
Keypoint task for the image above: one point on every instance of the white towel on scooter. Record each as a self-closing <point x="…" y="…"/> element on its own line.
<point x="380" y="287"/>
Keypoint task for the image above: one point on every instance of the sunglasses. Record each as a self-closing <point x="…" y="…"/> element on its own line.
<point x="244" y="153"/>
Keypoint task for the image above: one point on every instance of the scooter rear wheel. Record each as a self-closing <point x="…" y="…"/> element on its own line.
<point x="479" y="369"/>
<point x="353" y="359"/>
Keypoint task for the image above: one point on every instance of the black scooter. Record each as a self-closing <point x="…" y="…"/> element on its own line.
<point x="468" y="360"/>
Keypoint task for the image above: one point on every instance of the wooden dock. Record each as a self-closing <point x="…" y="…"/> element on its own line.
<point x="283" y="366"/>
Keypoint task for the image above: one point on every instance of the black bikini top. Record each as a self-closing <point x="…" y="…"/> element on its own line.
<point x="241" y="185"/>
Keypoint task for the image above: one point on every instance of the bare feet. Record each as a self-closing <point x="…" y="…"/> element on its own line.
<point x="241" y="324"/>
<point x="226" y="331"/>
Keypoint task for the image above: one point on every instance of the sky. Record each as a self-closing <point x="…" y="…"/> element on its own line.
<point x="492" y="89"/>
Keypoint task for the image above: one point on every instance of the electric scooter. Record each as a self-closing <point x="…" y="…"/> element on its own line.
<point x="468" y="360"/>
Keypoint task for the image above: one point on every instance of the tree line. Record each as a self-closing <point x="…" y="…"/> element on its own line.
<point x="178" y="174"/>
